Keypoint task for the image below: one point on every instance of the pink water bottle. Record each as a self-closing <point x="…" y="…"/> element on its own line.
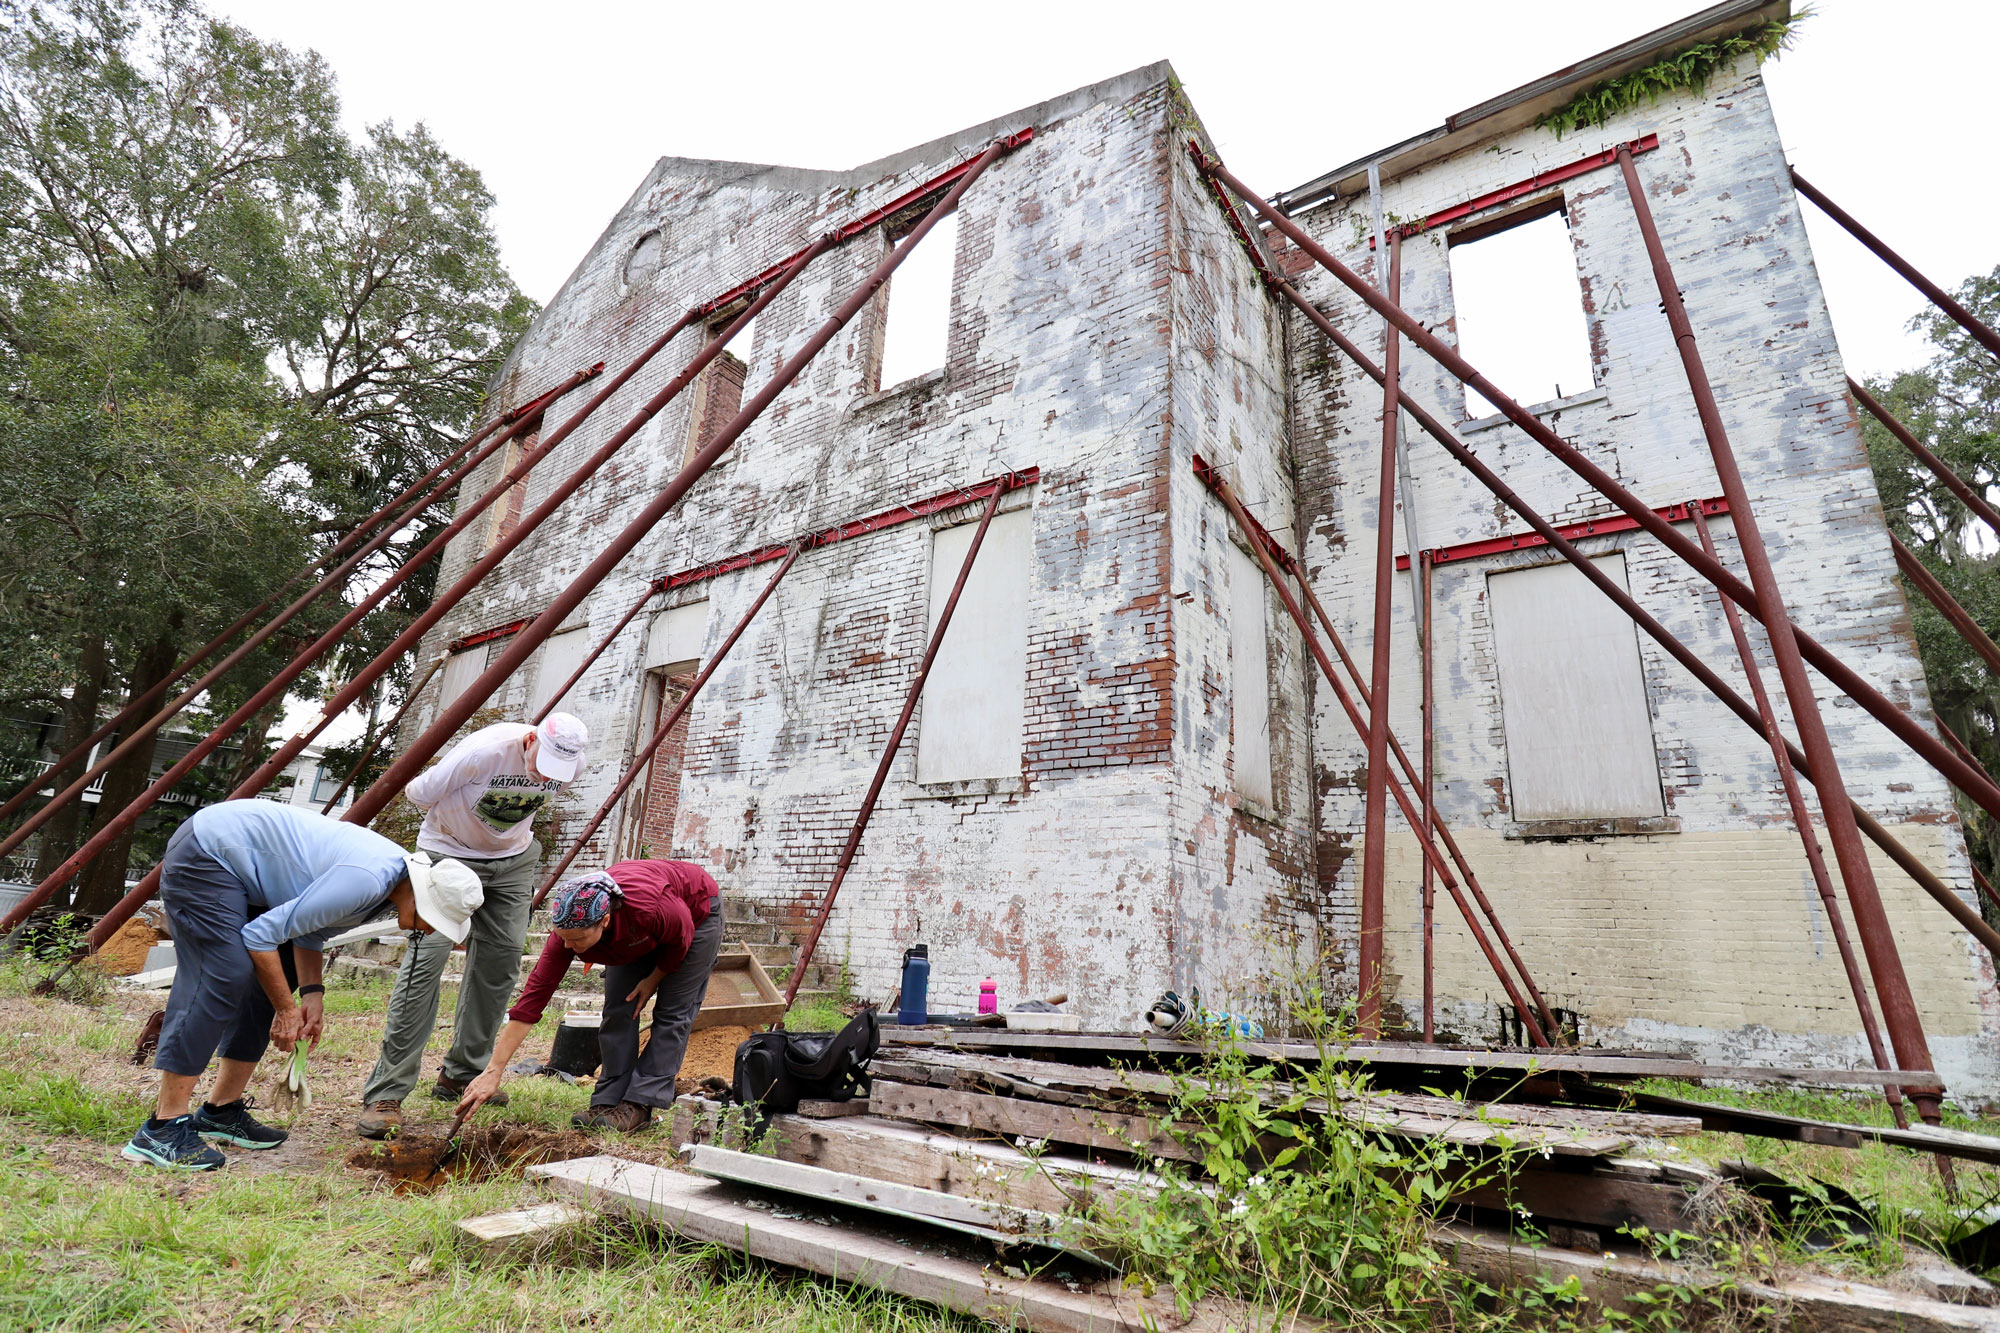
<point x="989" y="999"/>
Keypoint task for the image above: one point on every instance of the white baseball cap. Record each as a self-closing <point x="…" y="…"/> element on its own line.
<point x="560" y="754"/>
<point x="447" y="894"/>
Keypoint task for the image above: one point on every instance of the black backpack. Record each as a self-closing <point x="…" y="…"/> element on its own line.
<point x="775" y="1071"/>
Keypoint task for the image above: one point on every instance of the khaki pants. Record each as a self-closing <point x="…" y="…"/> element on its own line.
<point x="492" y="969"/>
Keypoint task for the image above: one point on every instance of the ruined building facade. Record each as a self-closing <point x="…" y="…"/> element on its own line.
<point x="1124" y="776"/>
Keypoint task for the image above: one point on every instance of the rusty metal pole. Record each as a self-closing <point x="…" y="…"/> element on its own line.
<point x="1905" y="859"/>
<point x="1429" y="885"/>
<point x="1981" y="788"/>
<point x="596" y="652"/>
<point x="335" y="579"/>
<point x="660" y="733"/>
<point x="895" y="743"/>
<point x="441" y="730"/>
<point x="1938" y="468"/>
<point x="1375" y="805"/>
<point x="1252" y="533"/>
<point x="1938" y="297"/>
<point x="1878" y="940"/>
<point x="1802" y="820"/>
<point x="1947" y="606"/>
<point x="388" y="729"/>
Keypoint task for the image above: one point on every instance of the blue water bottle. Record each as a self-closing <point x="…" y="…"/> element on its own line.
<point x="915" y="1008"/>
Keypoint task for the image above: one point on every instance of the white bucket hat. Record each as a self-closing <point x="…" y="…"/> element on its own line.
<point x="447" y="894"/>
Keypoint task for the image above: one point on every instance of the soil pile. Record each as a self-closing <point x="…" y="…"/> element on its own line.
<point x="125" y="953"/>
<point x="711" y="1053"/>
<point x="411" y="1163"/>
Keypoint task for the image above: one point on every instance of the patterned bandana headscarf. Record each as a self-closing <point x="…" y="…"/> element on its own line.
<point x="585" y="901"/>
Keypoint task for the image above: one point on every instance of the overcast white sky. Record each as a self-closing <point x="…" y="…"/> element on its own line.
<point x="565" y="108"/>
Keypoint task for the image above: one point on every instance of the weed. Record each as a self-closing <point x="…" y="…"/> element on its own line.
<point x="1686" y="70"/>
<point x="62" y="1104"/>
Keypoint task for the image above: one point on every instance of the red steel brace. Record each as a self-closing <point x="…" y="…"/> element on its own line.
<point x="1595" y="527"/>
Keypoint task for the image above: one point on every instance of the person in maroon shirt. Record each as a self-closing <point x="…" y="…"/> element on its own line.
<point x="652" y="926"/>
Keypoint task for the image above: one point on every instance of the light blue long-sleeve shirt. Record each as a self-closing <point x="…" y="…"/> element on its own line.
<point x="314" y="875"/>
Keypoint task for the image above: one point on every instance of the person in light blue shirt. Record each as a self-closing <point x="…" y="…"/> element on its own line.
<point x="252" y="890"/>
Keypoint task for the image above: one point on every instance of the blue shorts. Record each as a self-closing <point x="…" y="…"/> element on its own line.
<point x="216" y="1005"/>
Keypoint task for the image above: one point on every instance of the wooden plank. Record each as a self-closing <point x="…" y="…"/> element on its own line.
<point x="1799" y="1129"/>
<point x="818" y="1110"/>
<point x="1607" y="1201"/>
<point x="520" y="1232"/>
<point x="1018" y="1117"/>
<point x="709" y="1212"/>
<point x="1809" y="1303"/>
<point x="740" y="994"/>
<point x="1408" y="1054"/>
<point x="989" y="1221"/>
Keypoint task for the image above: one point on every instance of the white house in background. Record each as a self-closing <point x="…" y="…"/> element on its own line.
<point x="308" y="780"/>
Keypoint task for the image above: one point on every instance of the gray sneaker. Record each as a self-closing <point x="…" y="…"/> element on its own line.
<point x="173" y="1144"/>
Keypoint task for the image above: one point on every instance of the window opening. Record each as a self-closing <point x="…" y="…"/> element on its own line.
<point x="1250" y="678"/>
<point x="505" y="515"/>
<point x="1518" y="305"/>
<point x="1572" y="697"/>
<point x="718" y="392"/>
<point x="977" y="690"/>
<point x="917" y="319"/>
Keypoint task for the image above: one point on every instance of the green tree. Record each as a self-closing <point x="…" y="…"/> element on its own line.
<point x="227" y="334"/>
<point x="1953" y="404"/>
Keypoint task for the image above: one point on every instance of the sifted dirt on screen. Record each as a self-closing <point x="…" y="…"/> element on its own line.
<point x="410" y="1164"/>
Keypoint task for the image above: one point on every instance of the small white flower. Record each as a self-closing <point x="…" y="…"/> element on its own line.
<point x="1239" y="1208"/>
<point x="1256" y="1181"/>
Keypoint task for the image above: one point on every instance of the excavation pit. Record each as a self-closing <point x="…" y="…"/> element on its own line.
<point x="410" y="1163"/>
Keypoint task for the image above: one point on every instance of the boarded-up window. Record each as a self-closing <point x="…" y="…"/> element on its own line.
<point x="561" y="656"/>
<point x="1572" y="697"/>
<point x="1249" y="678"/>
<point x="676" y="634"/>
<point x="460" y="670"/>
<point x="973" y="700"/>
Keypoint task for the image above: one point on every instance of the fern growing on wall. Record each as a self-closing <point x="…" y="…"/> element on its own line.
<point x="1687" y="70"/>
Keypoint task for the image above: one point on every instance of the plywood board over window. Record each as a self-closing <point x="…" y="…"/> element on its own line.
<point x="1572" y="697"/>
<point x="460" y="670"/>
<point x="1249" y="678"/>
<point x="561" y="656"/>
<point x="973" y="701"/>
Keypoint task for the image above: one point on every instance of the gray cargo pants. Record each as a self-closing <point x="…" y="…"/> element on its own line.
<point x="629" y="1074"/>
<point x="492" y="968"/>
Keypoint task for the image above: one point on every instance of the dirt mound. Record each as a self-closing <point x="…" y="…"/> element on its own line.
<point x="125" y="953"/>
<point x="411" y="1163"/>
<point x="711" y="1053"/>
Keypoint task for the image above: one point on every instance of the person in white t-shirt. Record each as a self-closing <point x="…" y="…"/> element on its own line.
<point x="480" y="802"/>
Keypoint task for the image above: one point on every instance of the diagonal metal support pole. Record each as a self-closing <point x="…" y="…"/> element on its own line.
<point x="596" y="652"/>
<point x="1428" y="887"/>
<point x="1938" y="296"/>
<point x="1871" y="919"/>
<point x="1266" y="549"/>
<point x="1977" y="785"/>
<point x="882" y="766"/>
<point x="1802" y="820"/>
<point x="661" y="732"/>
<point x="1968" y="495"/>
<point x="410" y="697"/>
<point x="335" y="579"/>
<point x="1947" y="606"/>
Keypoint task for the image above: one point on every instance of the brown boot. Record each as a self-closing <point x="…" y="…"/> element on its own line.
<point x="626" y="1118"/>
<point x="380" y="1120"/>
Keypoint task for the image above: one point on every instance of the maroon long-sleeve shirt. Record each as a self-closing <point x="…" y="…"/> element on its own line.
<point x="664" y="902"/>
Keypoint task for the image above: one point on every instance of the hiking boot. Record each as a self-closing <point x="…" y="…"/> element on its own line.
<point x="625" y="1118"/>
<point x="173" y="1144"/>
<point x="451" y="1089"/>
<point x="234" y="1124"/>
<point x="380" y="1120"/>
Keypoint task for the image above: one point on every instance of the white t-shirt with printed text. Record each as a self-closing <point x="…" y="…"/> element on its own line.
<point x="480" y="800"/>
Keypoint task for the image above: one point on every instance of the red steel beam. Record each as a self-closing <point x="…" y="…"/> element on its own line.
<point x="1265" y="542"/>
<point x="357" y="533"/>
<point x="478" y="637"/>
<point x="1977" y="785"/>
<point x="1262" y="545"/>
<point x="1871" y="919"/>
<point x="597" y="651"/>
<point x="888" y="518"/>
<point x="1375" y="802"/>
<point x="1947" y="606"/>
<point x="1541" y="180"/>
<point x="1595" y="527"/>
<point x="1954" y="483"/>
<point x="1428" y="888"/>
<point x="440" y="732"/>
<point x="1938" y="296"/>
<point x="337" y="578"/>
<point x="388" y="729"/>
<point x="882" y="766"/>
<point x="1906" y="860"/>
<point x="1802" y="820"/>
<point x="661" y="732"/>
